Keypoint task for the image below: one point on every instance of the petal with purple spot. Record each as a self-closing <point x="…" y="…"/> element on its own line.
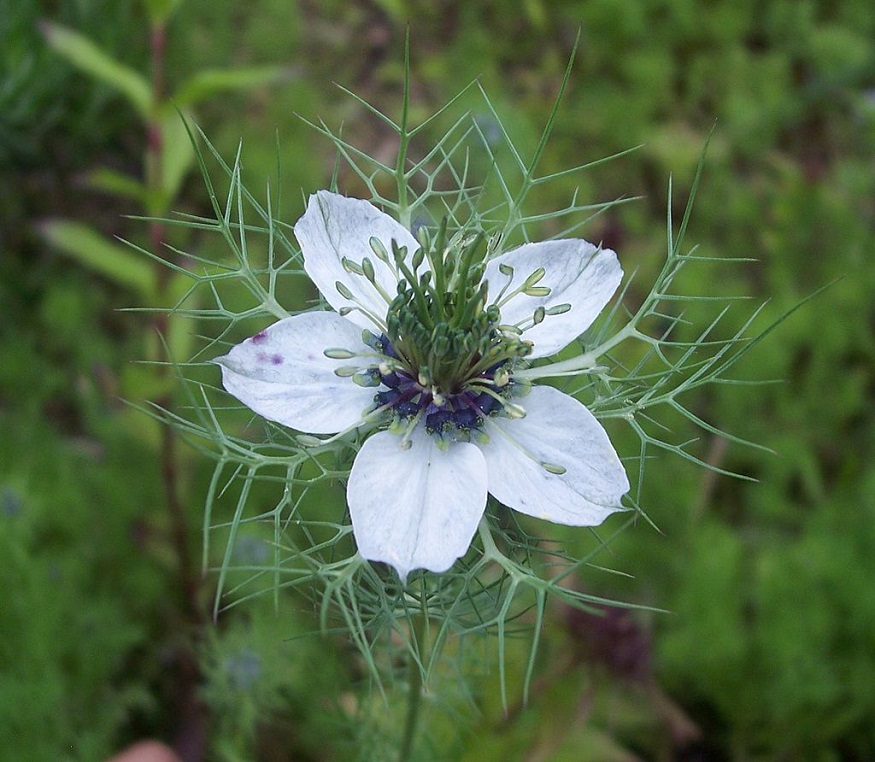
<point x="283" y="374"/>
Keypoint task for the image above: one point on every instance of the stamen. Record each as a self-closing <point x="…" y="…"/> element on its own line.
<point x="528" y="288"/>
<point x="369" y="273"/>
<point x="538" y="291"/>
<point x="378" y="322"/>
<point x="372" y="340"/>
<point x="367" y="378"/>
<point x="338" y="353"/>
<point x="351" y="267"/>
<point x="506" y="270"/>
<point x="379" y="250"/>
<point x="405" y="440"/>
<point x="514" y="410"/>
<point x="553" y="468"/>
<point x="344" y="291"/>
<point x="418" y="258"/>
<point x="559" y="309"/>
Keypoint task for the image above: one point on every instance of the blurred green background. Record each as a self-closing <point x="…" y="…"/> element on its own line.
<point x="768" y="649"/>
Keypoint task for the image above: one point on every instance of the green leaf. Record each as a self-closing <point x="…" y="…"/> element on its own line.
<point x="177" y="155"/>
<point x="209" y="82"/>
<point x="116" y="183"/>
<point x="86" y="56"/>
<point x="160" y="11"/>
<point x="397" y="9"/>
<point x="90" y="248"/>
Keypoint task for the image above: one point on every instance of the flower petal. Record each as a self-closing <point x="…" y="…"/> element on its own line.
<point x="415" y="508"/>
<point x="559" y="431"/>
<point x="576" y="272"/>
<point x="335" y="227"/>
<point x="283" y="375"/>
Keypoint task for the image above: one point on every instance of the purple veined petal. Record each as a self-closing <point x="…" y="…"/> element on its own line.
<point x="415" y="508"/>
<point x="576" y="272"/>
<point x="560" y="432"/>
<point x="283" y="375"/>
<point x="335" y="227"/>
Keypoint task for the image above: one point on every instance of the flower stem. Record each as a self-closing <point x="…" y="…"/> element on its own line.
<point x="415" y="666"/>
<point x="414" y="701"/>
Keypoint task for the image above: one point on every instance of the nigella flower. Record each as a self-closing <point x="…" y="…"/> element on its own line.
<point x="421" y="355"/>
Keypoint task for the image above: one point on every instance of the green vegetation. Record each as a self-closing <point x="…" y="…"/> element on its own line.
<point x="106" y="634"/>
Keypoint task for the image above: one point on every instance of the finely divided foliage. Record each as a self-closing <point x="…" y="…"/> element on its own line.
<point x="379" y="388"/>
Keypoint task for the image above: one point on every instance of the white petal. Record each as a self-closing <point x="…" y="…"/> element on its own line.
<point x="415" y="508"/>
<point x="577" y="273"/>
<point x="335" y="227"/>
<point x="283" y="375"/>
<point x="560" y="431"/>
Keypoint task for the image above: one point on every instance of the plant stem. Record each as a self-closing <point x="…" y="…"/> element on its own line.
<point x="160" y="324"/>
<point x="192" y="724"/>
<point x="415" y="666"/>
<point x="414" y="701"/>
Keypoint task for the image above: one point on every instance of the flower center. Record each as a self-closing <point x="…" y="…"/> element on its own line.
<point x="446" y="358"/>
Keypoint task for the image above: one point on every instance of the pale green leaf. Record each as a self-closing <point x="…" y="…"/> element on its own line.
<point x="209" y="82"/>
<point x="397" y="9"/>
<point x="93" y="250"/>
<point x="86" y="56"/>
<point x="116" y="183"/>
<point x="177" y="154"/>
<point x="160" y="11"/>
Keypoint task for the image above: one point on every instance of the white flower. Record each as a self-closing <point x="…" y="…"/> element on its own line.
<point x="431" y="379"/>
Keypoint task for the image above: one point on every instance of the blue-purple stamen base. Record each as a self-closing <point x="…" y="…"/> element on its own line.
<point x="462" y="411"/>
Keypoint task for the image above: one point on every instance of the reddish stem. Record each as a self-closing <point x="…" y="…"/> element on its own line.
<point x="191" y="738"/>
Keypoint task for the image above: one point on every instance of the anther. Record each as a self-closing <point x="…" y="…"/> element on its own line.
<point x="537" y="291"/>
<point x="367" y="378"/>
<point x="379" y="249"/>
<point x="501" y="377"/>
<point x="371" y="339"/>
<point x="337" y="353"/>
<point x="559" y="309"/>
<point x="514" y="410"/>
<point x="350" y="266"/>
<point x="535" y="277"/>
<point x="553" y="468"/>
<point x="418" y="258"/>
<point x="346" y="371"/>
<point x="367" y="269"/>
<point x="399" y="253"/>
